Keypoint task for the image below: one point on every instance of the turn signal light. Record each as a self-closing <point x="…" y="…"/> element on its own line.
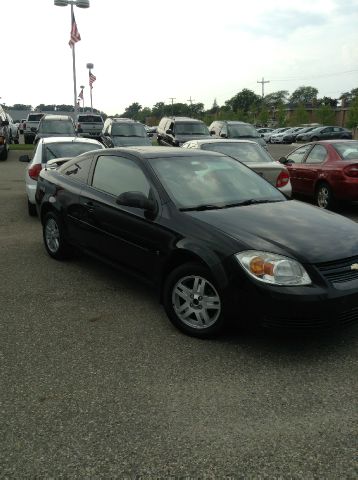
<point x="259" y="267"/>
<point x="282" y="179"/>
<point x="351" y="170"/>
<point x="35" y="170"/>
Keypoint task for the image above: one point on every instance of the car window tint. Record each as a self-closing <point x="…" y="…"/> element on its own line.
<point x="116" y="175"/>
<point x="79" y="171"/>
<point x="68" y="149"/>
<point x="56" y="126"/>
<point x="245" y="152"/>
<point x="90" y="119"/>
<point x="297" y="155"/>
<point x="317" y="154"/>
<point x="347" y="150"/>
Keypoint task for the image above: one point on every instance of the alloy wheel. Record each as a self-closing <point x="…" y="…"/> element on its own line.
<point x="52" y="235"/>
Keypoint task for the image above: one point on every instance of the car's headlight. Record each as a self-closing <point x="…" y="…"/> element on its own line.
<point x="272" y="268"/>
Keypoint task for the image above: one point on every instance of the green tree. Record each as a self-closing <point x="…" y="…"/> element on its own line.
<point x="20" y="106"/>
<point x="281" y="116"/>
<point x="328" y="101"/>
<point x="348" y="97"/>
<point x="244" y="100"/>
<point x="352" y="121"/>
<point x="304" y="95"/>
<point x="300" y="115"/>
<point x="274" y="99"/>
<point x="215" y="108"/>
<point x="263" y="116"/>
<point x="326" y="115"/>
<point x="132" y="111"/>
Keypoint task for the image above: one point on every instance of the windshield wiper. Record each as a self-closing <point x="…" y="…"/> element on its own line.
<point x="200" y="208"/>
<point x="250" y="201"/>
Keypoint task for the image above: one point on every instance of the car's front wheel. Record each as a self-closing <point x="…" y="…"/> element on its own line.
<point x="53" y="236"/>
<point x="193" y="302"/>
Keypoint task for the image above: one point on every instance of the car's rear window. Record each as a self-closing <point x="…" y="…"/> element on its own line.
<point x="188" y="128"/>
<point x="245" y="152"/>
<point x="57" y="126"/>
<point x="67" y="149"/>
<point x="90" y="119"/>
<point x="347" y="150"/>
<point x="128" y="130"/>
<point x="35" y="117"/>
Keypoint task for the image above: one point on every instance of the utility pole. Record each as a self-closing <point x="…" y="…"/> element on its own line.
<point x="263" y="81"/>
<point x="191" y="100"/>
<point x="172" y="99"/>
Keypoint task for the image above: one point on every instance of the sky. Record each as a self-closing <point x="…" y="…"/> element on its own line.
<point x="148" y="51"/>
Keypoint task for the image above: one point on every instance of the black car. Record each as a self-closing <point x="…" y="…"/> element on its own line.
<point x="291" y="135"/>
<point x="216" y="239"/>
<point x="324" y="133"/>
<point x="175" y="131"/>
<point x="237" y="130"/>
<point x="123" y="132"/>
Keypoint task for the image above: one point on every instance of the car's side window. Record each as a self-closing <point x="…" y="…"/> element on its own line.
<point x="115" y="175"/>
<point x="298" y="155"/>
<point x="223" y="131"/>
<point x="79" y="171"/>
<point x="317" y="154"/>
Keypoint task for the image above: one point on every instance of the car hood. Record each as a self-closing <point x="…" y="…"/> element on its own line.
<point x="129" y="141"/>
<point x="289" y="228"/>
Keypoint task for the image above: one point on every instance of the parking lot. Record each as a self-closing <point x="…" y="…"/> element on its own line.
<point x="96" y="383"/>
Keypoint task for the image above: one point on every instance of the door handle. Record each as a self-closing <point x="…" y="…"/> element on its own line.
<point x="90" y="206"/>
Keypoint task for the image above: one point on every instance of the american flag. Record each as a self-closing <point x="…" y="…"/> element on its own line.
<point x="75" y="34"/>
<point x="92" y="79"/>
<point x="80" y="95"/>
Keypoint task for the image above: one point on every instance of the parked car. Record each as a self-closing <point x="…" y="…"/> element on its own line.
<point x="252" y="155"/>
<point x="13" y="130"/>
<point x="326" y="171"/>
<point x="89" y="125"/>
<point x="324" y="133"/>
<point x="264" y="130"/>
<point x="237" y="130"/>
<point x="47" y="149"/>
<point x="123" y="132"/>
<point x="267" y="136"/>
<point x="217" y="240"/>
<point x="151" y="131"/>
<point x="4" y="134"/>
<point x="55" y="126"/>
<point x="31" y="126"/>
<point x="175" y="131"/>
<point x="290" y="135"/>
<point x="279" y="136"/>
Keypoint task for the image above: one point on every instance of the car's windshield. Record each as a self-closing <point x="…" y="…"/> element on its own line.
<point x="128" y="130"/>
<point x="245" y="152"/>
<point x="242" y="130"/>
<point x="347" y="150"/>
<point x="56" y="126"/>
<point x="68" y="149"/>
<point x="90" y="119"/>
<point x="211" y="180"/>
<point x="35" y="117"/>
<point x="191" y="129"/>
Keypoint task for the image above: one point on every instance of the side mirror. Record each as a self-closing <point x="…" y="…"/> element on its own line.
<point x="169" y="131"/>
<point x="24" y="158"/>
<point x="285" y="161"/>
<point x="136" y="200"/>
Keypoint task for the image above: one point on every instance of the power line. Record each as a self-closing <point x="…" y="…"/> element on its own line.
<point x="313" y="77"/>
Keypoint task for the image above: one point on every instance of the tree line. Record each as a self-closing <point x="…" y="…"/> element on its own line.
<point x="246" y="105"/>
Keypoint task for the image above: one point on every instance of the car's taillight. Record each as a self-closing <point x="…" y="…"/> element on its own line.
<point x="2" y="140"/>
<point x="351" y="170"/>
<point x="35" y="170"/>
<point x="282" y="179"/>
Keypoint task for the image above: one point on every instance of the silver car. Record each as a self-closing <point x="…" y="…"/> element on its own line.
<point x="252" y="155"/>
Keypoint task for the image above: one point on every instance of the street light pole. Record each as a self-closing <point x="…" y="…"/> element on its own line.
<point x="80" y="4"/>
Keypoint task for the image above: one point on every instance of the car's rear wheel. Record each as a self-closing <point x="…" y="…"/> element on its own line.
<point x="324" y="196"/>
<point x="31" y="208"/>
<point x="314" y="139"/>
<point x="193" y="302"/>
<point x="53" y="235"/>
<point x="4" y="153"/>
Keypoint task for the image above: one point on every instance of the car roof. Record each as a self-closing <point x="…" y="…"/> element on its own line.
<point x="148" y="152"/>
<point x="222" y="140"/>
<point x="56" y="117"/>
<point x="47" y="140"/>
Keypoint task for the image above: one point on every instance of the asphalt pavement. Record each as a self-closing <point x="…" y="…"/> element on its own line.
<point x="96" y="383"/>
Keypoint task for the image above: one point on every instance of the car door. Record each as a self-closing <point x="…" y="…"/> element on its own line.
<point x="312" y="168"/>
<point x="326" y="133"/>
<point x="295" y="167"/>
<point x="123" y="234"/>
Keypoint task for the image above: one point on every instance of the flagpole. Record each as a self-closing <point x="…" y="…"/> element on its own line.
<point x="74" y="70"/>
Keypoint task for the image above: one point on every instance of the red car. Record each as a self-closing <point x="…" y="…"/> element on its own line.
<point x="326" y="170"/>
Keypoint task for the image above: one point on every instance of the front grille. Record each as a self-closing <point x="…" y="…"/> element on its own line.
<point x="339" y="271"/>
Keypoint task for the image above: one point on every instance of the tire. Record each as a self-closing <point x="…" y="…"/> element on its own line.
<point x="31" y="208"/>
<point x="186" y="291"/>
<point x="26" y="139"/>
<point x="314" y="139"/>
<point x="4" y="153"/>
<point x="324" y="196"/>
<point x="53" y="236"/>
